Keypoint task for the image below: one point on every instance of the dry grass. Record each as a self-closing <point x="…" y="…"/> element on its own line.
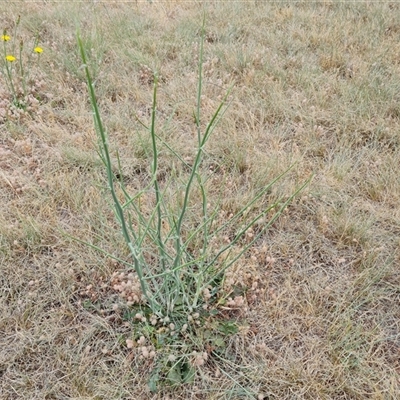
<point x="313" y="83"/>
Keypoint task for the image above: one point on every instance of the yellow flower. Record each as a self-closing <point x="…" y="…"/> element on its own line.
<point x="38" y="50"/>
<point x="10" y="58"/>
<point x="5" y="38"/>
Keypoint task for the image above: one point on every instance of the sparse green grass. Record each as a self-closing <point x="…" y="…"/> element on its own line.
<point x="316" y="83"/>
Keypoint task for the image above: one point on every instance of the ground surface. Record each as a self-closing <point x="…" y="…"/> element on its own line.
<point x="316" y="84"/>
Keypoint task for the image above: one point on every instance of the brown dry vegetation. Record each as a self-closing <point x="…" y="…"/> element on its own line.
<point x="318" y="84"/>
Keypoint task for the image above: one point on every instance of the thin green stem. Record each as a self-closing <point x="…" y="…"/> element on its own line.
<point x="15" y="31"/>
<point x="194" y="172"/>
<point x="154" y="174"/>
<point x="22" y="73"/>
<point x="10" y="80"/>
<point x="106" y="154"/>
<point x="199" y="89"/>
<point x="258" y="235"/>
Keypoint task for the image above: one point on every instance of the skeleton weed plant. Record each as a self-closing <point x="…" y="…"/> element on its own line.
<point x="16" y="65"/>
<point x="175" y="295"/>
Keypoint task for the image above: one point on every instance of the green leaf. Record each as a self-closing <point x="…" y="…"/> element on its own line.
<point x="218" y="342"/>
<point x="88" y="305"/>
<point x="228" y="328"/>
<point x="188" y="373"/>
<point x="154" y="379"/>
<point x="174" y="376"/>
